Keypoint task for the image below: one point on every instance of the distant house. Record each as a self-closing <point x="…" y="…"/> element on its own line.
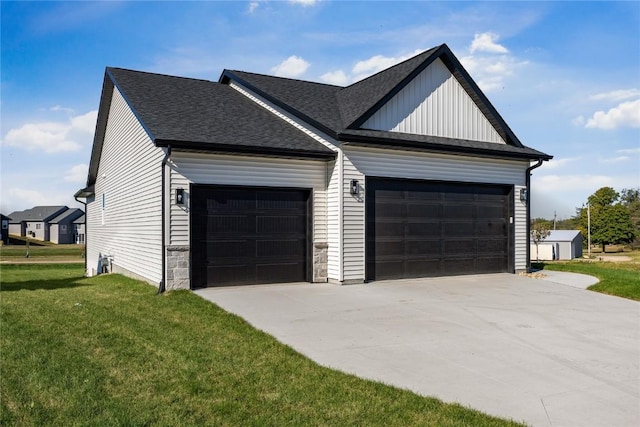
<point x="62" y="227"/>
<point x="36" y="223"/>
<point x="4" y="231"/>
<point x="255" y="179"/>
<point x="78" y="230"/>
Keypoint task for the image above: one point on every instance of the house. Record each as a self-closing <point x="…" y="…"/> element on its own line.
<point x="78" y="230"/>
<point x="62" y="228"/>
<point x="259" y="179"/>
<point x="34" y="222"/>
<point x="4" y="229"/>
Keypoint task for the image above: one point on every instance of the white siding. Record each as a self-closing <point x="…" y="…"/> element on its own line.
<point x="521" y="238"/>
<point x="334" y="209"/>
<point x="129" y="176"/>
<point x="221" y="169"/>
<point x="361" y="162"/>
<point x="434" y="103"/>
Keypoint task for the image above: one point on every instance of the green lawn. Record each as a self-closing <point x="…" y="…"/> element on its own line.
<point x="53" y="253"/>
<point x="110" y="351"/>
<point x="616" y="278"/>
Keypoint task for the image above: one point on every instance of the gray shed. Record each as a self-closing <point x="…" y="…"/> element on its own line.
<point x="569" y="243"/>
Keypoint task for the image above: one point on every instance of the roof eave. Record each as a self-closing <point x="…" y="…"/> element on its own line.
<point x="205" y="147"/>
<point x="420" y="146"/>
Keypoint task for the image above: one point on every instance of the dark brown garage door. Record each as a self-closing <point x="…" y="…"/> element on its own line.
<point x="243" y="236"/>
<point x="425" y="228"/>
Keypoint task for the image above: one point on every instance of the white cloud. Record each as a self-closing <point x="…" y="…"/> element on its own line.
<point x="627" y="114"/>
<point x="615" y="159"/>
<point x="578" y="121"/>
<point x="339" y="78"/>
<point x="616" y="95"/>
<point x="293" y="66"/>
<point x="53" y="137"/>
<point x="628" y="151"/>
<point x="558" y="163"/>
<point x="305" y="3"/>
<point x="26" y="197"/>
<point x="57" y="108"/>
<point x="572" y="182"/>
<point x="77" y="173"/>
<point x="490" y="71"/>
<point x="486" y="42"/>
<point x="376" y="63"/>
<point x="253" y="5"/>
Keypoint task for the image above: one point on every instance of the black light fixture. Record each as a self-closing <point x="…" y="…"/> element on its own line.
<point x="180" y="196"/>
<point x="355" y="187"/>
<point x="523" y="195"/>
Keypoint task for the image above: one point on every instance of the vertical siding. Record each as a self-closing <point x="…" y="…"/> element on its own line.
<point x="521" y="238"/>
<point x="434" y="103"/>
<point x="334" y="235"/>
<point x="129" y="175"/>
<point x="220" y="169"/>
<point x="353" y="223"/>
<point x="361" y="162"/>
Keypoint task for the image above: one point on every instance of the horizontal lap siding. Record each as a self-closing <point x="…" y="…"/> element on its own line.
<point x="216" y="169"/>
<point x="333" y="221"/>
<point x="434" y="103"/>
<point x="361" y="162"/>
<point x="129" y="174"/>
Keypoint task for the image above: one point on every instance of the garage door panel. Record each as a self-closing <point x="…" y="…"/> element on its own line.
<point x="280" y="248"/>
<point x="385" y="229"/>
<point x="281" y="224"/>
<point x="246" y="235"/>
<point x="439" y="228"/>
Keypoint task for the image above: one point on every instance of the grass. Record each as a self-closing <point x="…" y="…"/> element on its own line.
<point x="49" y="253"/>
<point x="108" y="351"/>
<point x="616" y="278"/>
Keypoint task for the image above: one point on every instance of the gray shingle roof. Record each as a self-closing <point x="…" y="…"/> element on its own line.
<point x="37" y="213"/>
<point x="80" y="219"/>
<point x="340" y="111"/>
<point x="191" y="113"/>
<point x="69" y="214"/>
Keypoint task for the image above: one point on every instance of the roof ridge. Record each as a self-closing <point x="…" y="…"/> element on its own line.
<point x="284" y="78"/>
<point x="159" y="74"/>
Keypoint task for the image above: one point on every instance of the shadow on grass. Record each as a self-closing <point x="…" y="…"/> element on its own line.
<point x="32" y="277"/>
<point x="46" y="285"/>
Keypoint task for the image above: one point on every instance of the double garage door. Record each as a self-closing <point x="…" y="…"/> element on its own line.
<point x="426" y="228"/>
<point x="245" y="235"/>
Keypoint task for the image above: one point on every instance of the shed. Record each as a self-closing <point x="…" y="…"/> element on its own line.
<point x="569" y="243"/>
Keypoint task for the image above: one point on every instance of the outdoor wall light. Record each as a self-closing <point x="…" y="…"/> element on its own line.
<point x="355" y="187"/>
<point x="180" y="196"/>
<point x="523" y="195"/>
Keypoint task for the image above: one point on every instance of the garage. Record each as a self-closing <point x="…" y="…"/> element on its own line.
<point x="246" y="236"/>
<point x="431" y="228"/>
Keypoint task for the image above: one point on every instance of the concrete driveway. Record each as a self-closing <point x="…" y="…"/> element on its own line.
<point x="542" y="351"/>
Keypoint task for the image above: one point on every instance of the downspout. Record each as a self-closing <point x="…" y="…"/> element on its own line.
<point x="528" y="186"/>
<point x="86" y="229"/>
<point x="162" y="286"/>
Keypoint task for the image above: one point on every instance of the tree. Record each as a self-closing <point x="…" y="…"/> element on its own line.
<point x="539" y="232"/>
<point x="630" y="198"/>
<point x="610" y="221"/>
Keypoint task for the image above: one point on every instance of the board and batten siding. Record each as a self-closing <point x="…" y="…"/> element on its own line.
<point x="369" y="162"/>
<point x="434" y="103"/>
<point x="219" y="169"/>
<point x="129" y="177"/>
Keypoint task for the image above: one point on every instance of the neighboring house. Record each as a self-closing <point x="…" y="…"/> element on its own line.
<point x="78" y="230"/>
<point x="62" y="227"/>
<point x="4" y="228"/>
<point x="259" y="179"/>
<point x="34" y="222"/>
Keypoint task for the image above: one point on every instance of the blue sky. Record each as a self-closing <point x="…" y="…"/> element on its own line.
<point x="564" y="75"/>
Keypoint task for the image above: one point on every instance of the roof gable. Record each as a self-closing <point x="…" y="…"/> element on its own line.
<point x="68" y="215"/>
<point x="37" y="213"/>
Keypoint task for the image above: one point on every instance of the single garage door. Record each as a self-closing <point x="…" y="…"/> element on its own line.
<point x="426" y="228"/>
<point x="243" y="236"/>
